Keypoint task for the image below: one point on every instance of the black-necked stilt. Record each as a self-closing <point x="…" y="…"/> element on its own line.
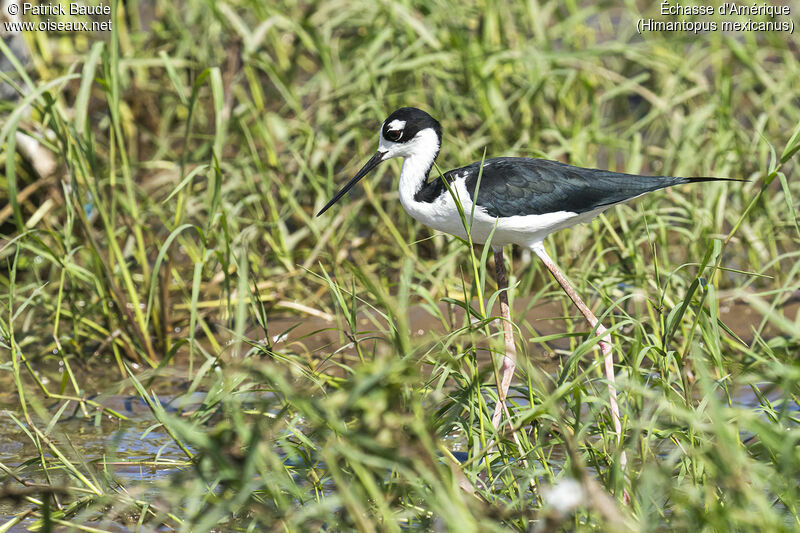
<point x="515" y="200"/>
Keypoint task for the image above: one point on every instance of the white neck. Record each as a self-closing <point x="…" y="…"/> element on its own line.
<point x="419" y="155"/>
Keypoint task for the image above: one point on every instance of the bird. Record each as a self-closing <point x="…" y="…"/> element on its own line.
<point x="505" y="201"/>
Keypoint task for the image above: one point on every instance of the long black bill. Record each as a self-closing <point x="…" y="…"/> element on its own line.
<point x="372" y="163"/>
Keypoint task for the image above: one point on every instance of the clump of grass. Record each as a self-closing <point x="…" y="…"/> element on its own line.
<point x="178" y="233"/>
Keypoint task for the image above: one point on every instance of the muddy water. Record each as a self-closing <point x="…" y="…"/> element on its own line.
<point x="93" y="443"/>
<point x="315" y="335"/>
<point x="130" y="447"/>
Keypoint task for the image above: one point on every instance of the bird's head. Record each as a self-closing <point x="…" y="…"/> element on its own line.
<point x="408" y="132"/>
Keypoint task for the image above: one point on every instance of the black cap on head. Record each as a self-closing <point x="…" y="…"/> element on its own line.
<point x="413" y="120"/>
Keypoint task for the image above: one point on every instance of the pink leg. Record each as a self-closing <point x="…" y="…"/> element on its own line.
<point x="605" y="343"/>
<point x="510" y="359"/>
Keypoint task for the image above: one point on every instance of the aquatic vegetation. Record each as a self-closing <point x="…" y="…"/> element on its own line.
<point x="165" y="281"/>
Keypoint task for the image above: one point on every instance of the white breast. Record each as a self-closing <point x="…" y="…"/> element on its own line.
<point x="442" y="214"/>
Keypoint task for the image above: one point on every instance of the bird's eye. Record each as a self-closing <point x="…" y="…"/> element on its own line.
<point x="394" y="135"/>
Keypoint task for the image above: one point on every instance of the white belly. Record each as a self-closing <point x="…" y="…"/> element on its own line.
<point x="524" y="230"/>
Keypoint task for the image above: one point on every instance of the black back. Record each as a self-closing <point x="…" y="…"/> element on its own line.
<point x="512" y="186"/>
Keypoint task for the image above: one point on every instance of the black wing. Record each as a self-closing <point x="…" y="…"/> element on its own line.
<point x="523" y="186"/>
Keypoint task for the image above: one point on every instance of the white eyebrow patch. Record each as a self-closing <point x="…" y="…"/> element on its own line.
<point x="397" y="124"/>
